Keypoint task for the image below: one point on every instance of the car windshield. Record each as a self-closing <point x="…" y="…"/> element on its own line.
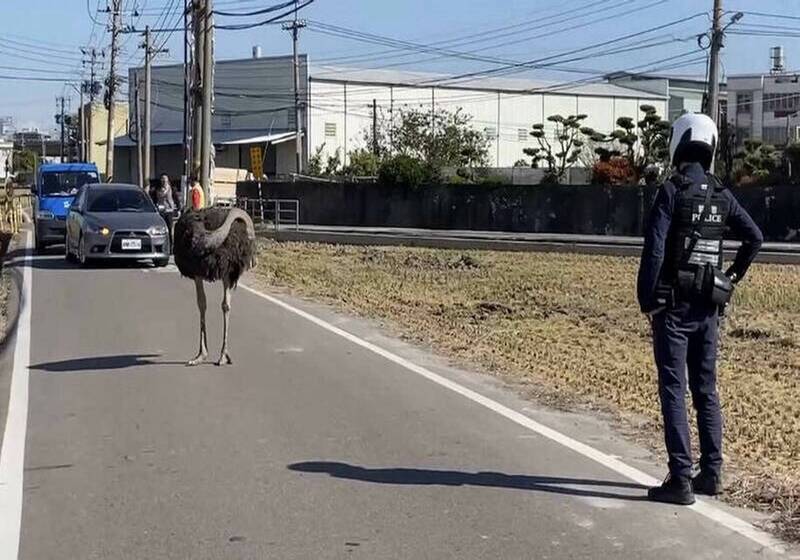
<point x="119" y="200"/>
<point x="66" y="183"/>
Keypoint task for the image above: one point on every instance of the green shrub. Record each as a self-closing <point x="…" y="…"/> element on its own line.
<point x="405" y="171"/>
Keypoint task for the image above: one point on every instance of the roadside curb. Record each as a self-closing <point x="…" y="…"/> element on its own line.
<point x="8" y="338"/>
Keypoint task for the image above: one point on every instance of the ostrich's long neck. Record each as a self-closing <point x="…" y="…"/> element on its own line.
<point x="217" y="237"/>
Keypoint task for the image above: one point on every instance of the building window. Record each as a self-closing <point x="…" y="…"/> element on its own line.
<point x="774" y="135"/>
<point x="781" y="102"/>
<point x="522" y="134"/>
<point x="744" y="103"/>
<point x="490" y="132"/>
<point x="330" y="129"/>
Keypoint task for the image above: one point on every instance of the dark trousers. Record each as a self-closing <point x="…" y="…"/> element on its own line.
<point x="685" y="339"/>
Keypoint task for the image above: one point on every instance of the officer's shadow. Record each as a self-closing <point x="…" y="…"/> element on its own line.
<point x="429" y="477"/>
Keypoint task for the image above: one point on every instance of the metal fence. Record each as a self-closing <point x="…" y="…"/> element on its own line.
<point x="273" y="211"/>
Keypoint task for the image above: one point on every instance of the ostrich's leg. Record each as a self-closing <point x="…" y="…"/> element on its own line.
<point x="201" y="306"/>
<point x="224" y="357"/>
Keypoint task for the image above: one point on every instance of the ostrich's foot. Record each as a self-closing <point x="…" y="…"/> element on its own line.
<point x="197" y="360"/>
<point x="224" y="359"/>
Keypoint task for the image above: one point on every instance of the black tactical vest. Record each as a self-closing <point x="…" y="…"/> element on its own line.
<point x="689" y="201"/>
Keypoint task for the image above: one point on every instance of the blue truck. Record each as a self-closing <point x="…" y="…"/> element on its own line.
<point x="53" y="192"/>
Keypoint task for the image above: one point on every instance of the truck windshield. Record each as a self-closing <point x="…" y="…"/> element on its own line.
<point x="127" y="200"/>
<point x="66" y="183"/>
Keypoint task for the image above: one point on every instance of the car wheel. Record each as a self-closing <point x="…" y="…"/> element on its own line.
<point x="160" y="263"/>
<point x="82" y="252"/>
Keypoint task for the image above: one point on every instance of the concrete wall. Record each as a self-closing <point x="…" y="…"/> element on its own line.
<point x="559" y="209"/>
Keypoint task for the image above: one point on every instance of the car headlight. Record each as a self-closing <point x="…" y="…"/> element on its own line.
<point x="102" y="230"/>
<point x="157" y="230"/>
<point x="44" y="215"/>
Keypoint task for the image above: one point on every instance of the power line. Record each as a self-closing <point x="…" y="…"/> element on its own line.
<point x="511" y="68"/>
<point x="768" y="15"/>
<point x="566" y="16"/>
<point x="272" y="20"/>
<point x="260" y="12"/>
<point x="37" y="79"/>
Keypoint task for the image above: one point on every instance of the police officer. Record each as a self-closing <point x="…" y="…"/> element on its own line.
<point x="683" y="290"/>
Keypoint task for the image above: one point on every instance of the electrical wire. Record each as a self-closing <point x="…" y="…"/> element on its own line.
<point x="260" y="12"/>
<point x="272" y="20"/>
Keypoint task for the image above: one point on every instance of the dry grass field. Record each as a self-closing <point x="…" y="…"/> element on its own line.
<point x="566" y="330"/>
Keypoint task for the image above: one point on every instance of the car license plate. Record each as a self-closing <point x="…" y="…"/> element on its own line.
<point x="131" y="244"/>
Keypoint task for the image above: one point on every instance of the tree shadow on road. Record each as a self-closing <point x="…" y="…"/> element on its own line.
<point x="430" y="477"/>
<point x="100" y="363"/>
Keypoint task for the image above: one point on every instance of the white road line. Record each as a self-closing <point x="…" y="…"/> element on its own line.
<point x="704" y="508"/>
<point x="12" y="454"/>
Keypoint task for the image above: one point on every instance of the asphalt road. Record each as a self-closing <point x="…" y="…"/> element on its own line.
<point x="310" y="446"/>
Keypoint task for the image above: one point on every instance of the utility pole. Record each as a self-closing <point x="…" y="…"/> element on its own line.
<point x="92" y="91"/>
<point x="717" y="34"/>
<point x="375" y="127"/>
<point x="294" y="26"/>
<point x="208" y="96"/>
<point x="61" y="120"/>
<point x="187" y="105"/>
<point x="139" y="135"/>
<point x="115" y="14"/>
<point x="144" y="132"/>
<point x="82" y="143"/>
<point x="198" y="9"/>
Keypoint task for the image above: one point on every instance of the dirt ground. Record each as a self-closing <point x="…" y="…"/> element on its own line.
<point x="5" y="285"/>
<point x="566" y="330"/>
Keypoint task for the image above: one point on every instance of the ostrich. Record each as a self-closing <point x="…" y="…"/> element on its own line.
<point x="210" y="245"/>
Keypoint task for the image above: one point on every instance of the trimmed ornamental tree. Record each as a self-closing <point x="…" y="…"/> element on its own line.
<point x="758" y="162"/>
<point x="559" y="151"/>
<point x="644" y="143"/>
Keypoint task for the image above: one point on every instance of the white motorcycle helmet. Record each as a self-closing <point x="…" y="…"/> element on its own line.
<point x="693" y="138"/>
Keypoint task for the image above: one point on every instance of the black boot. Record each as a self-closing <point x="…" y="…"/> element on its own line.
<point x="707" y="484"/>
<point x="674" y="490"/>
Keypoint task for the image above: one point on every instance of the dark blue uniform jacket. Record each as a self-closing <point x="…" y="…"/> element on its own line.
<point x="739" y="222"/>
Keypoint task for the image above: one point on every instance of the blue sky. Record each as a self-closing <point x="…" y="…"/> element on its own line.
<point x="42" y="38"/>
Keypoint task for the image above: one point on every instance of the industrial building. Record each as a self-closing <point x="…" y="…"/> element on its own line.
<point x="504" y="109"/>
<point x="6" y="155"/>
<point x="687" y="94"/>
<point x="254" y="106"/>
<point x="766" y="106"/>
<point x="95" y="124"/>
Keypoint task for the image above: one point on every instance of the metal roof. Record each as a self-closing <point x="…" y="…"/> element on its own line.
<point x="370" y="76"/>
<point x="175" y="138"/>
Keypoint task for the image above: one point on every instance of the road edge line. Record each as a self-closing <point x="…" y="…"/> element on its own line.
<point x="708" y="510"/>
<point x="12" y="453"/>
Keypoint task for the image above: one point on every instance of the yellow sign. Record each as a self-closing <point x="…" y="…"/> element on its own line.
<point x="257" y="161"/>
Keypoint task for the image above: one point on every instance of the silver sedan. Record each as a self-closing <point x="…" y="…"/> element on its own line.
<point x="115" y="221"/>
